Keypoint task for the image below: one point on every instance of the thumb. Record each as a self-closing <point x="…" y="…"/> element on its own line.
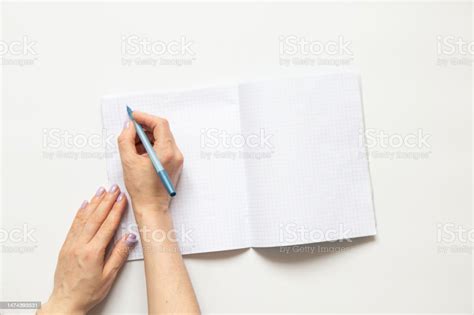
<point x="126" y="141"/>
<point x="119" y="255"/>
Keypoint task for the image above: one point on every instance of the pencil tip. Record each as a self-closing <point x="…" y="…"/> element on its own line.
<point x="129" y="111"/>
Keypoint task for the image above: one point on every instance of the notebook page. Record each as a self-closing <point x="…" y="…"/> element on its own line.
<point x="315" y="185"/>
<point x="210" y="208"/>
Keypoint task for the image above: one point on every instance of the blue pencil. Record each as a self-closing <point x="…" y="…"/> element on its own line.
<point x="151" y="153"/>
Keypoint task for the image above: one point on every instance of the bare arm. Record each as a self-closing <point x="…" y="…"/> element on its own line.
<point x="169" y="288"/>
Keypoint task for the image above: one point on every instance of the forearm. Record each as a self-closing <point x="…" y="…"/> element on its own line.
<point x="169" y="288"/>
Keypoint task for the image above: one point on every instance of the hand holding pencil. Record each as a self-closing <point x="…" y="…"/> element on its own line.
<point x="146" y="187"/>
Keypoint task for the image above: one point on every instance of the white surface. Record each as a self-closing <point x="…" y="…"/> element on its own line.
<point x="267" y="201"/>
<point x="404" y="90"/>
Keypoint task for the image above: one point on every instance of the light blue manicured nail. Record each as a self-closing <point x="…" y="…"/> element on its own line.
<point x="131" y="240"/>
<point x="84" y="204"/>
<point x="113" y="188"/>
<point x="120" y="197"/>
<point x="100" y="191"/>
<point x="125" y="125"/>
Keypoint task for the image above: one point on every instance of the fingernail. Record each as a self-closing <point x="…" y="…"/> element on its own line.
<point x="120" y="197"/>
<point x="131" y="239"/>
<point x="125" y="125"/>
<point x="113" y="188"/>
<point x="100" y="191"/>
<point x="84" y="204"/>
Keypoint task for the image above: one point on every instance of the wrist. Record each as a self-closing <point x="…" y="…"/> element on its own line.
<point x="150" y="209"/>
<point x="152" y="214"/>
<point x="160" y="205"/>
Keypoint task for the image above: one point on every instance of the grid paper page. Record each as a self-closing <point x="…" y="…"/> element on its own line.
<point x="210" y="208"/>
<point x="315" y="185"/>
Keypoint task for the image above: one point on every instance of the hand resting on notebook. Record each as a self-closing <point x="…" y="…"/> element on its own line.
<point x="85" y="273"/>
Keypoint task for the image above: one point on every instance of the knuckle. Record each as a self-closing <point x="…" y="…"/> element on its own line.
<point x="179" y="158"/>
<point x="167" y="156"/>
<point x="164" y="122"/>
<point x="172" y="157"/>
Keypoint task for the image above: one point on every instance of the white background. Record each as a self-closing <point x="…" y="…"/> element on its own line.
<point x="79" y="58"/>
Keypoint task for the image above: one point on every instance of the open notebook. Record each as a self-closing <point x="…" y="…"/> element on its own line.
<point x="271" y="163"/>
